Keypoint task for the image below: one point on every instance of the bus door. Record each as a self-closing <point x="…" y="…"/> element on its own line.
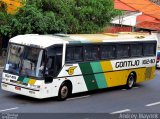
<point x="54" y="62"/>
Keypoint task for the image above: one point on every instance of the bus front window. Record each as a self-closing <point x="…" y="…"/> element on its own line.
<point x="32" y="61"/>
<point x="24" y="60"/>
<point x="14" y="58"/>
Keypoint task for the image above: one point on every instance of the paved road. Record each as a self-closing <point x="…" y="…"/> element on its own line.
<point x="145" y="97"/>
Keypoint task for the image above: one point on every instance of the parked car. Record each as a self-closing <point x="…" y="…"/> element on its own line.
<point x="158" y="59"/>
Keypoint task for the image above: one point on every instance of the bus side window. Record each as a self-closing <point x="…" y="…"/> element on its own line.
<point x="136" y="50"/>
<point x="91" y="53"/>
<point x="108" y="52"/>
<point x="70" y="54"/>
<point x="149" y="49"/>
<point x="122" y="51"/>
<point x="74" y="54"/>
<point x="78" y="53"/>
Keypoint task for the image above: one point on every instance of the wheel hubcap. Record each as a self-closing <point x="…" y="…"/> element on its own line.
<point x="131" y="81"/>
<point x="64" y="92"/>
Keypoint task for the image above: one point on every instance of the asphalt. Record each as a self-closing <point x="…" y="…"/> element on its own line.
<point x="143" y="98"/>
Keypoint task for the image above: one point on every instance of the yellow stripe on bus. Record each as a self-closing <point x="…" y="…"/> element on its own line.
<point x="106" y="66"/>
<point x="116" y="78"/>
<point x="32" y="81"/>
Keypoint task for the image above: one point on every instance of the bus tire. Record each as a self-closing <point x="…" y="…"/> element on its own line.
<point x="64" y="92"/>
<point x="130" y="81"/>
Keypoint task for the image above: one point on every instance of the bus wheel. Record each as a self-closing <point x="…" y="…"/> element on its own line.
<point x="64" y="92"/>
<point x="130" y="81"/>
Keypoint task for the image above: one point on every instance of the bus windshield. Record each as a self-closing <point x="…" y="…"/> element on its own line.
<point x="24" y="60"/>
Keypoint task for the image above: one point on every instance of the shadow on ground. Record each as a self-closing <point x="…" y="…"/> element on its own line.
<point x="26" y="100"/>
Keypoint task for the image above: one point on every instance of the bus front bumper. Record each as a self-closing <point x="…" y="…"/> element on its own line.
<point x="21" y="90"/>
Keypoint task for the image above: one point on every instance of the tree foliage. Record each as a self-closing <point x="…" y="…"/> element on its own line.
<point x="58" y="16"/>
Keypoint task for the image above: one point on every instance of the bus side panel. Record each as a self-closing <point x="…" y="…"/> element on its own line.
<point x="113" y="78"/>
<point x="78" y="84"/>
<point x="88" y="75"/>
<point x="116" y="78"/>
<point x="153" y="72"/>
<point x="140" y="73"/>
<point x="100" y="78"/>
<point x="93" y="75"/>
<point x="150" y="73"/>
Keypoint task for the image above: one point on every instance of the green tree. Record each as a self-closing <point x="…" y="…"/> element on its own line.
<point x="58" y="16"/>
<point x="29" y="19"/>
<point x="81" y="16"/>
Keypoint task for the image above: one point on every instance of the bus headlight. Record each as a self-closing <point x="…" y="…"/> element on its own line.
<point x="35" y="86"/>
<point x="5" y="79"/>
<point x="4" y="85"/>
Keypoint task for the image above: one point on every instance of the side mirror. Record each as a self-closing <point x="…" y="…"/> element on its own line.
<point x="48" y="79"/>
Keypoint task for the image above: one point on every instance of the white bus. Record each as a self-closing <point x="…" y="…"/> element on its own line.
<point x="43" y="66"/>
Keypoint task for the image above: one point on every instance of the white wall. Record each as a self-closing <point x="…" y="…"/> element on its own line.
<point x="129" y="20"/>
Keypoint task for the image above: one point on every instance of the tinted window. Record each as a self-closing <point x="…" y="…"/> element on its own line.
<point x="54" y="60"/>
<point x="70" y="54"/>
<point x="74" y="53"/>
<point x="136" y="50"/>
<point x="78" y="53"/>
<point x="54" y="50"/>
<point x="91" y="53"/>
<point x="107" y="52"/>
<point x="149" y="49"/>
<point x="122" y="51"/>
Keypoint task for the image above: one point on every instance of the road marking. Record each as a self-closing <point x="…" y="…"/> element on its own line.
<point x="9" y="109"/>
<point x="121" y="111"/>
<point x="152" y="104"/>
<point x="79" y="97"/>
<point x="124" y="89"/>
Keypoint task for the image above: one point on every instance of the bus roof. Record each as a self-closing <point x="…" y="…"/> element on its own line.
<point x="44" y="41"/>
